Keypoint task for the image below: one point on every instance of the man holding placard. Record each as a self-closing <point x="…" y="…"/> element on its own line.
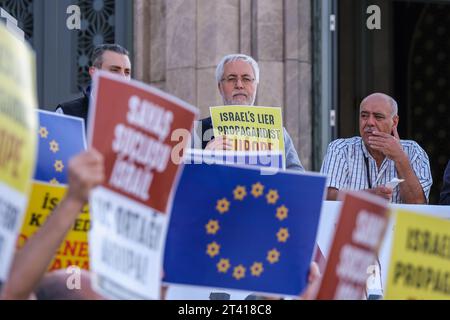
<point x="237" y="77"/>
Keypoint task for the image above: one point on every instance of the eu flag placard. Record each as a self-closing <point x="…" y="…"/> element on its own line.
<point x="60" y="138"/>
<point x="233" y="228"/>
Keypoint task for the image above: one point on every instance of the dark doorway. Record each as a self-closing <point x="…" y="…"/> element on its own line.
<point x="409" y="58"/>
<point x="422" y="82"/>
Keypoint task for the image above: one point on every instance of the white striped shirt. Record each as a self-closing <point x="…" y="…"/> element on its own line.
<point x="345" y="166"/>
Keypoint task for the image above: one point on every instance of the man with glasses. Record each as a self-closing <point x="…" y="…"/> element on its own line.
<point x="237" y="77"/>
<point x="372" y="160"/>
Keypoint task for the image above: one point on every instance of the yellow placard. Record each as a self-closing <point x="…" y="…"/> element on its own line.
<point x="17" y="154"/>
<point x="74" y="249"/>
<point x="17" y="117"/>
<point x="251" y="128"/>
<point x="420" y="258"/>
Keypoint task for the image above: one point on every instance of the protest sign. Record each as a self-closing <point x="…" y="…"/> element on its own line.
<point x="17" y="139"/>
<point x="251" y="128"/>
<point x="264" y="159"/>
<point x="362" y="223"/>
<point x="140" y="131"/>
<point x="419" y="266"/>
<point x="233" y="228"/>
<point x="60" y="137"/>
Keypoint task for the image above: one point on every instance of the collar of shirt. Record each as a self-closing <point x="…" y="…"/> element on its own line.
<point x="372" y="163"/>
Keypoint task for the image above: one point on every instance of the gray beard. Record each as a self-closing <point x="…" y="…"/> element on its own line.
<point x="233" y="103"/>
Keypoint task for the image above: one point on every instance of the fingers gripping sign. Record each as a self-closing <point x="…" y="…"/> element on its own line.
<point x="220" y="143"/>
<point x="86" y="171"/>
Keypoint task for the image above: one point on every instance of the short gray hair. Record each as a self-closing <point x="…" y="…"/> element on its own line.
<point x="391" y="101"/>
<point x="394" y="106"/>
<point x="235" y="57"/>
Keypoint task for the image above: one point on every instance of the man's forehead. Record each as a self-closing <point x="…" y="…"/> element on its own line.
<point x="238" y="67"/>
<point x="376" y="105"/>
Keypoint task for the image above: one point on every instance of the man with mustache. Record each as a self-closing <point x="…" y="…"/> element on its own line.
<point x="237" y="78"/>
<point x="369" y="162"/>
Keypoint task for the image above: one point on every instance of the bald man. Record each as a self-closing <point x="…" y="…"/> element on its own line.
<point x="370" y="161"/>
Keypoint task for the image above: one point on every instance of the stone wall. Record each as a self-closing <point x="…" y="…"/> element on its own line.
<point x="178" y="44"/>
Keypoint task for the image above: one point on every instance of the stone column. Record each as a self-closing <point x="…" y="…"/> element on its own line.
<point x="149" y="63"/>
<point x="298" y="77"/>
<point x="269" y="52"/>
<point x="218" y="35"/>
<point x="141" y="40"/>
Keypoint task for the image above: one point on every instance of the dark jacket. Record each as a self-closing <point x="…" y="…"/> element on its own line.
<point x="445" y="194"/>
<point x="78" y="107"/>
<point x="206" y="125"/>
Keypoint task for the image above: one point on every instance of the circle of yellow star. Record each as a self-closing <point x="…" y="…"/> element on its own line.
<point x="256" y="269"/>
<point x="239" y="193"/>
<point x="54" y="146"/>
<point x="272" y="196"/>
<point x="43" y="132"/>
<point x="54" y="181"/>
<point x="282" y="213"/>
<point x="257" y="189"/>
<point x="239" y="272"/>
<point x="58" y="166"/>
<point x="213" y="249"/>
<point x="223" y="205"/>
<point x="223" y="265"/>
<point x="273" y="256"/>
<point x="282" y="234"/>
<point x="212" y="227"/>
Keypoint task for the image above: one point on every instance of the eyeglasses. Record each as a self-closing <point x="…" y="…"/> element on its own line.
<point x="233" y="80"/>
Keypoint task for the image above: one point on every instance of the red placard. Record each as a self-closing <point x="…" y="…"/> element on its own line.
<point x="131" y="124"/>
<point x="362" y="224"/>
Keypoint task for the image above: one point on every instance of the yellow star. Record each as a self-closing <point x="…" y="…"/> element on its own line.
<point x="257" y="269"/>
<point x="213" y="249"/>
<point x="257" y="189"/>
<point x="54" y="181"/>
<point x="273" y="256"/>
<point x="223" y="265"/>
<point x="54" y="146"/>
<point x="272" y="196"/>
<point x="282" y="213"/>
<point x="222" y="205"/>
<point x="239" y="193"/>
<point x="58" y="166"/>
<point x="212" y="227"/>
<point x="43" y="132"/>
<point x="239" y="272"/>
<point x="282" y="235"/>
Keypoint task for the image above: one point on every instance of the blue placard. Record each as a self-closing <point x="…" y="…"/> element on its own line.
<point x="264" y="159"/>
<point x="232" y="227"/>
<point x="60" y="138"/>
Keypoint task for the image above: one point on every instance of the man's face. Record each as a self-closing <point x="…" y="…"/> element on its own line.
<point x="376" y="114"/>
<point x="238" y="86"/>
<point x="115" y="63"/>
